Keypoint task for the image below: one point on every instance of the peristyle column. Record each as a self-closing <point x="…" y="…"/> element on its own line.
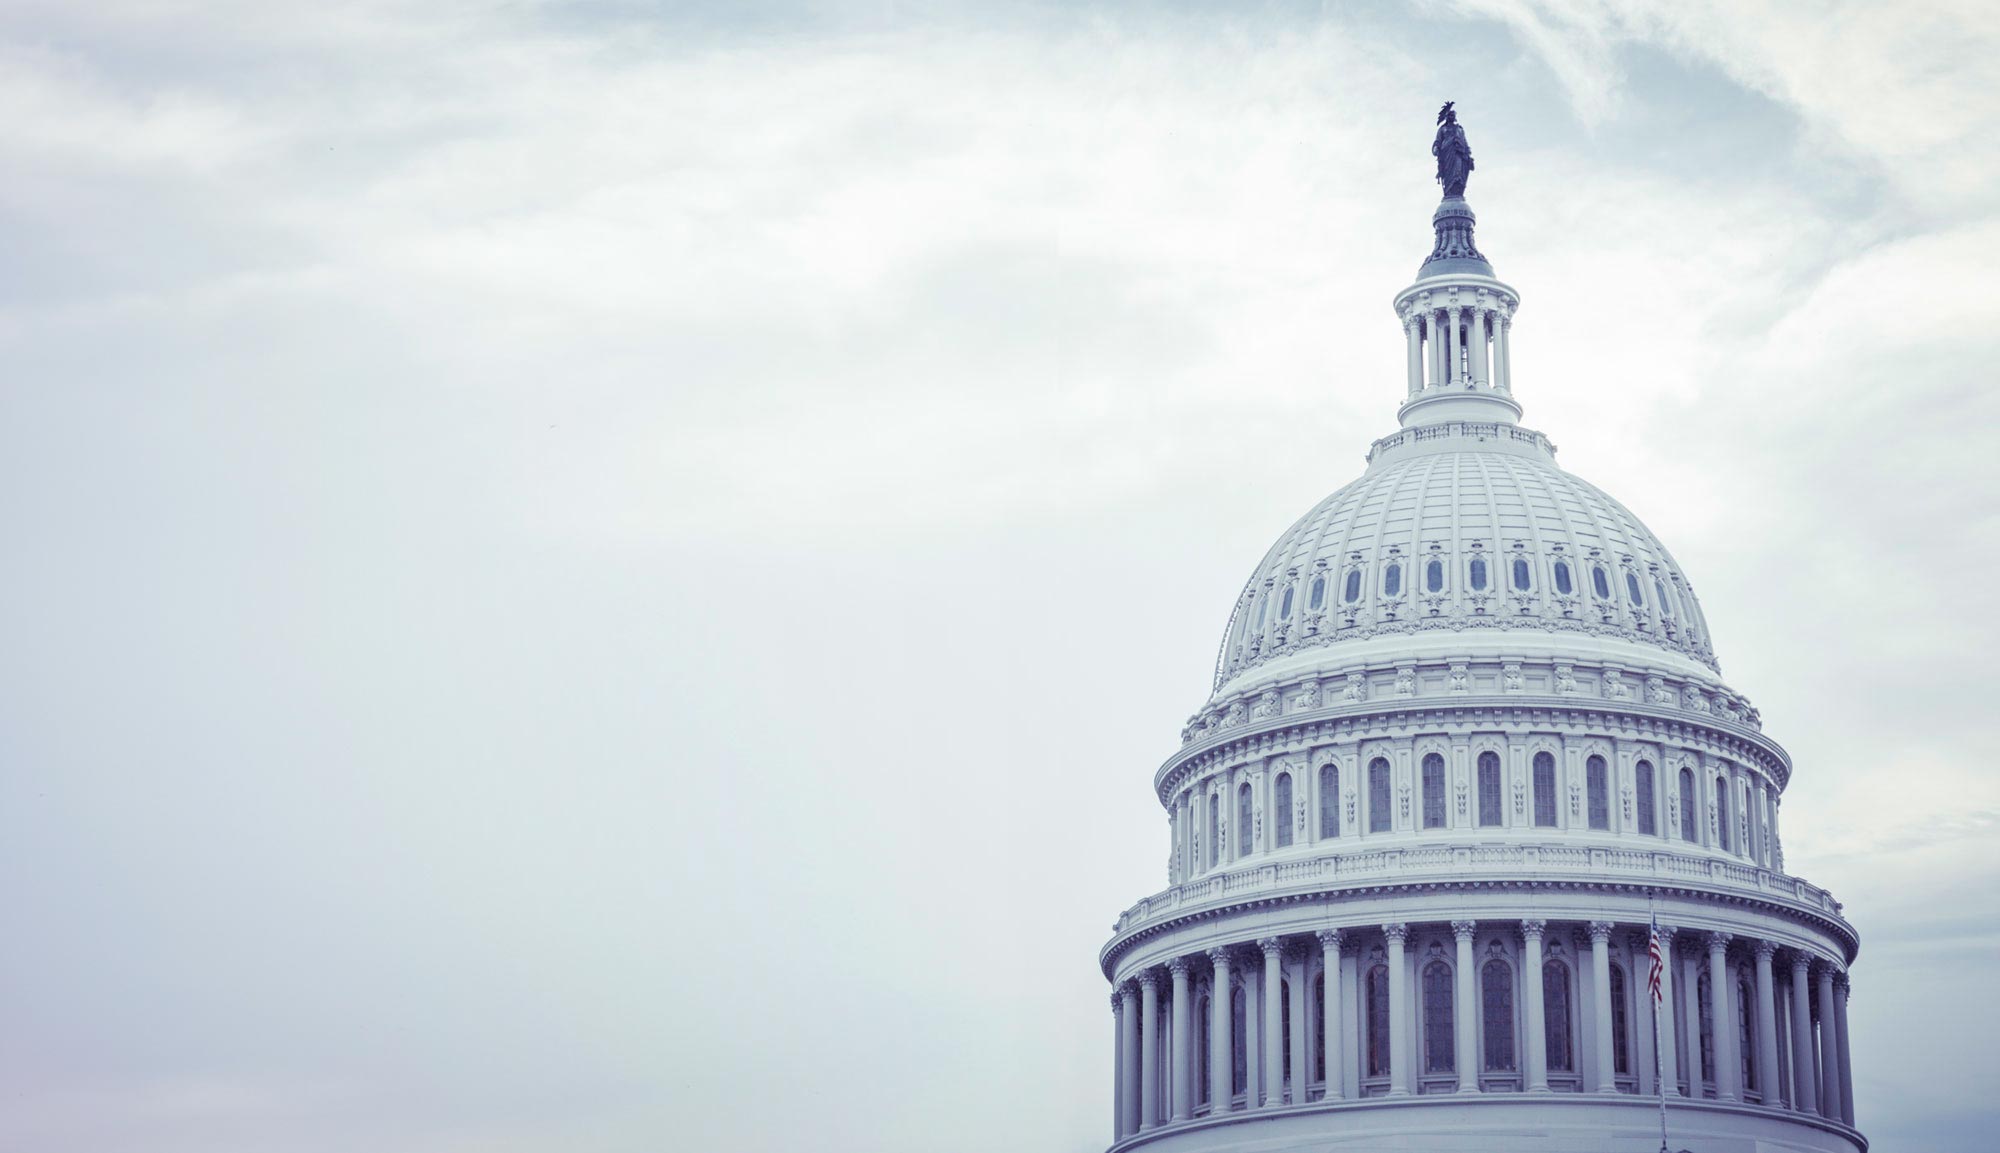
<point x="1128" y="1063"/>
<point x="1846" y="1065"/>
<point x="1767" y="1025"/>
<point x="1301" y="1076"/>
<point x="1536" y="1021"/>
<point x="1329" y="943"/>
<point x="1221" y="1045"/>
<point x="1183" y="1070"/>
<point x="1149" y="1049"/>
<point x="1466" y="1019"/>
<point x="1805" y="1093"/>
<point x="1691" y="1015"/>
<point x="1830" y="1104"/>
<point x="1274" y="1021"/>
<point x="1664" y="1019"/>
<point x="1399" y="1011"/>
<point x="1721" y="1022"/>
<point x="1600" y="995"/>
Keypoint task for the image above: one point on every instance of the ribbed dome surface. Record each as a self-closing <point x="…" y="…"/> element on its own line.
<point x="1462" y="527"/>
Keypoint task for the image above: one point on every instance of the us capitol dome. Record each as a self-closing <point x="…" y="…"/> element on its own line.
<point x="1469" y="760"/>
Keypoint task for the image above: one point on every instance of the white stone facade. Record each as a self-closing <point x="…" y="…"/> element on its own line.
<point x="1468" y="743"/>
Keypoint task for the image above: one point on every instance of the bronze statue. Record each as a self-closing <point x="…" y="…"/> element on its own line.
<point x="1454" y="155"/>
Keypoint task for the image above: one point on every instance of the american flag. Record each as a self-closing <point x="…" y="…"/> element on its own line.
<point x="1653" y="951"/>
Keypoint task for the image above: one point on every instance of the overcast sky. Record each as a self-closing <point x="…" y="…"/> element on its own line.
<point x="592" y="578"/>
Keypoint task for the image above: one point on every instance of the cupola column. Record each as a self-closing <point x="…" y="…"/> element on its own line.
<point x="1537" y="1025"/>
<point x="1183" y="1039"/>
<point x="1600" y="995"/>
<point x="1400" y="1018"/>
<point x="1336" y="1037"/>
<point x="1479" y="372"/>
<point x="1805" y="1090"/>
<point x="1274" y="1021"/>
<point x="1466" y="1035"/>
<point x="1767" y="1026"/>
<point x="1721" y="1022"/>
<point x="1502" y="352"/>
<point x="1413" y="336"/>
<point x="1221" y="1044"/>
<point x="1128" y="1064"/>
<point x="1453" y="374"/>
<point x="1149" y="1049"/>
<point x="1434" y="321"/>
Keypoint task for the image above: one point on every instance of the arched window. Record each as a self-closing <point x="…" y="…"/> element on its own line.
<point x="1545" y="790"/>
<point x="1392" y="580"/>
<point x="1285" y="605"/>
<point x="1621" y="1046"/>
<point x="1596" y="782"/>
<point x="1702" y="1004"/>
<point x="1477" y="572"/>
<point x="1329" y="801"/>
<point x="1433" y="791"/>
<point x="1632" y="591"/>
<point x="1746" y="1044"/>
<point x="1660" y="596"/>
<point x="1379" y="820"/>
<point x="1239" y="1027"/>
<point x="1352" y="592"/>
<point x="1243" y="820"/>
<point x="1555" y="1007"/>
<point x="1319" y="1028"/>
<point x="1318" y="595"/>
<point x="1599" y="583"/>
<point x="1563" y="585"/>
<point x="1722" y="813"/>
<point x="1285" y="1028"/>
<point x="1376" y="994"/>
<point x="1489" y="789"/>
<point x="1521" y="574"/>
<point x="1689" y="803"/>
<point x="1214" y="820"/>
<point x="1496" y="995"/>
<point x="1434" y="576"/>
<point x="1263" y="602"/>
<point x="1201" y="1047"/>
<point x="1281" y="818"/>
<point x="1648" y="821"/>
<point x="1438" y="1057"/>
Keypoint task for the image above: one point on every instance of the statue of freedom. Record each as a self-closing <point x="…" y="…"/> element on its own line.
<point x="1454" y="155"/>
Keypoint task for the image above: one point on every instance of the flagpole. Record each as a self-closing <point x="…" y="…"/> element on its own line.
<point x="1659" y="1069"/>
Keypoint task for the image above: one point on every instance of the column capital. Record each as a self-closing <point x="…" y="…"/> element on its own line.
<point x="1149" y="980"/>
<point x="1463" y="930"/>
<point x="1117" y="1002"/>
<point x="1396" y="932"/>
<point x="1667" y="935"/>
<point x="1600" y="932"/>
<point x="1219" y="956"/>
<point x="1801" y="963"/>
<point x="1128" y="988"/>
<point x="1765" y="950"/>
<point x="1843" y="984"/>
<point x="1533" y="927"/>
<point x="1272" y="946"/>
<point x="1178" y="967"/>
<point x="1718" y="941"/>
<point x="1329" y="940"/>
